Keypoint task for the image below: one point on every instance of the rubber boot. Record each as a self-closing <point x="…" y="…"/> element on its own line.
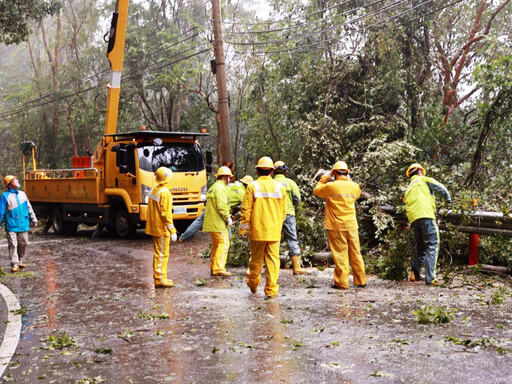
<point x="297" y="270"/>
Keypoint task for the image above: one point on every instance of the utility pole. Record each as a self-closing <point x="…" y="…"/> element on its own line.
<point x="224" y="134"/>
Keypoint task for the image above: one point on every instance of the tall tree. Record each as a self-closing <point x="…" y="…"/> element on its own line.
<point x="17" y="15"/>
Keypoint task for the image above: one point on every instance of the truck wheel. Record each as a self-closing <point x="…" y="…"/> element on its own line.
<point x="61" y="227"/>
<point x="123" y="224"/>
<point x="57" y="221"/>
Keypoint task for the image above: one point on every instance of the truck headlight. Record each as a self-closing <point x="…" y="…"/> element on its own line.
<point x="145" y="191"/>
<point x="203" y="192"/>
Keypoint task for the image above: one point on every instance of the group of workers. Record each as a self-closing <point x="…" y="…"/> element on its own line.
<point x="267" y="207"/>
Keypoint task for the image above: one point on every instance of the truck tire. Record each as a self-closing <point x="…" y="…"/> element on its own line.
<point x="61" y="227"/>
<point x="123" y="225"/>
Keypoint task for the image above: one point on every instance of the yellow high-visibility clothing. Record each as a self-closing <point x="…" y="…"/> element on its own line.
<point x="159" y="224"/>
<point x="236" y="194"/>
<point x="159" y="221"/>
<point x="160" y="259"/>
<point x="419" y="199"/>
<point x="292" y="192"/>
<point x="217" y="208"/>
<point x="263" y="213"/>
<point x="267" y="251"/>
<point x="263" y="210"/>
<point x="220" y="248"/>
<point x="342" y="229"/>
<point x="343" y="243"/>
<point x="340" y="197"/>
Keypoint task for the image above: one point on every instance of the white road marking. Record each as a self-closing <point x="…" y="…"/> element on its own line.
<point x="13" y="329"/>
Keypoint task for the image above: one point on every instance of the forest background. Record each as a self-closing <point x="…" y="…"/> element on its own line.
<point x="379" y="84"/>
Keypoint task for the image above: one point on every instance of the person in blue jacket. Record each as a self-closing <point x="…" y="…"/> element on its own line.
<point x="16" y="213"/>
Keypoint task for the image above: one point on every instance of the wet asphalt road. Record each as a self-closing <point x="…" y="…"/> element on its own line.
<point x="94" y="316"/>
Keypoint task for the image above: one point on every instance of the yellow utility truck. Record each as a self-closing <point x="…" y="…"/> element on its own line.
<point x="111" y="188"/>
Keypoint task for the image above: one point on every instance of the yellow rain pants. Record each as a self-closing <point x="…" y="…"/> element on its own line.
<point x="160" y="258"/>
<point x="268" y="251"/>
<point x="344" y="247"/>
<point x="220" y="248"/>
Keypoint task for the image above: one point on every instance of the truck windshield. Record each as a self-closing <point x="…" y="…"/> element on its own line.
<point x="179" y="157"/>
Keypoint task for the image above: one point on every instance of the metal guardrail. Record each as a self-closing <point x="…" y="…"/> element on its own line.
<point x="479" y="222"/>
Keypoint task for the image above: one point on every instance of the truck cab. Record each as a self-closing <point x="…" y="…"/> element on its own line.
<point x="114" y="192"/>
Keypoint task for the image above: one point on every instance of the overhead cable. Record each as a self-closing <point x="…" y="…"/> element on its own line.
<point x="322" y="44"/>
<point x="306" y="35"/>
<point x="289" y="19"/>
<point x="302" y="24"/>
<point x="64" y="95"/>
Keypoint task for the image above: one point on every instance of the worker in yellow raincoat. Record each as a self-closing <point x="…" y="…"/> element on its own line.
<point x="217" y="220"/>
<point x="420" y="207"/>
<point x="341" y="224"/>
<point x="237" y="192"/>
<point x="263" y="214"/>
<point x="159" y="224"/>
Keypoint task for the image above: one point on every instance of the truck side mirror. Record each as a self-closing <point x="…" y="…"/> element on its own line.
<point x="122" y="160"/>
<point x="209" y="161"/>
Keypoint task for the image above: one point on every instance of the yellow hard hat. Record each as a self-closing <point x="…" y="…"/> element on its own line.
<point x="281" y="166"/>
<point x="224" y="171"/>
<point x="8" y="179"/>
<point x="246" y="179"/>
<point x="163" y="175"/>
<point x="340" y="166"/>
<point x="414" y="167"/>
<point x="265" y="163"/>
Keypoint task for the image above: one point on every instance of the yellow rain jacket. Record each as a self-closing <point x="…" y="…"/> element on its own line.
<point x="159" y="221"/>
<point x="217" y="208"/>
<point x="292" y="193"/>
<point x="236" y="194"/>
<point x="263" y="210"/>
<point x="340" y="197"/>
<point x="419" y="199"/>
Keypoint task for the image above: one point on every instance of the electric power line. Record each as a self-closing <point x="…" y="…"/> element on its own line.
<point x="302" y="24"/>
<point x="289" y="19"/>
<point x="147" y="70"/>
<point x="32" y="103"/>
<point x="306" y="35"/>
<point x="323" y="42"/>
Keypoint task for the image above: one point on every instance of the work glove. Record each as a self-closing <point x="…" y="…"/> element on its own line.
<point x="242" y="232"/>
<point x="174" y="237"/>
<point x="230" y="222"/>
<point x="326" y="177"/>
